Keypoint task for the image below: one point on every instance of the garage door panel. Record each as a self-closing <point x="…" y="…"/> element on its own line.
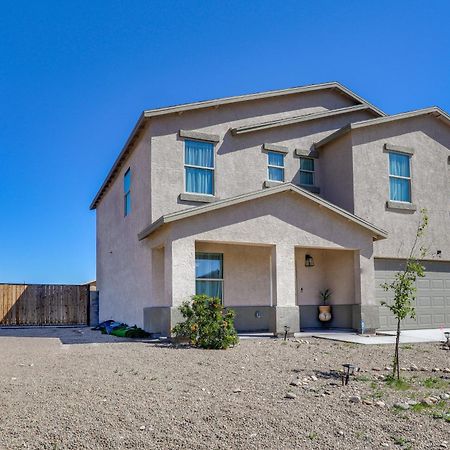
<point x="423" y="284"/>
<point x="423" y="302"/>
<point x="437" y="302"/>
<point x="432" y="297"/>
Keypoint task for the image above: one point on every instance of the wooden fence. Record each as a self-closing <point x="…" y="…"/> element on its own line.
<point x="43" y="304"/>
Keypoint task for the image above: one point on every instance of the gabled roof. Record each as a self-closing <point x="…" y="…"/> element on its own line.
<point x="377" y="233"/>
<point x="434" y="111"/>
<point x="147" y="114"/>
<point x="302" y="118"/>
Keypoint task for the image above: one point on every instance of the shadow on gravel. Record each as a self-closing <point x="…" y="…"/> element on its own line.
<point x="68" y="335"/>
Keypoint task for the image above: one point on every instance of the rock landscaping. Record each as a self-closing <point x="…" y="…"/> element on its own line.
<point x="261" y="394"/>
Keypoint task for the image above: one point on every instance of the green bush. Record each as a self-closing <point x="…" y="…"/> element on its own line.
<point x="206" y="323"/>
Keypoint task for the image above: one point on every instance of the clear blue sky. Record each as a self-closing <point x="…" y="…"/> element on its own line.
<point x="74" y="77"/>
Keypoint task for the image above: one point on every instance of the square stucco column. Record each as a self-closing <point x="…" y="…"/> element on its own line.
<point x="179" y="271"/>
<point x="179" y="285"/>
<point x="284" y="289"/>
<point x="366" y="310"/>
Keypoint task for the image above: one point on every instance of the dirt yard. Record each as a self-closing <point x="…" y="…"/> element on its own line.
<point x="79" y="390"/>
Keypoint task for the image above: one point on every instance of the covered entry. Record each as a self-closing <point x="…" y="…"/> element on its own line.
<point x="432" y="299"/>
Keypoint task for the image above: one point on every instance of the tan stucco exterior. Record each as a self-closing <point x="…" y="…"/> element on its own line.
<point x="264" y="241"/>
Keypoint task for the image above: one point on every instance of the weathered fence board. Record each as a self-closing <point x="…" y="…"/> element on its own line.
<point x="43" y="304"/>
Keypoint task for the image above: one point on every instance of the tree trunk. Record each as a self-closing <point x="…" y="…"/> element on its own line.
<point x="396" y="369"/>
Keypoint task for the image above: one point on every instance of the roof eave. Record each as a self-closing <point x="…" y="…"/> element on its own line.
<point x="118" y="161"/>
<point x="299" y="119"/>
<point x="378" y="233"/>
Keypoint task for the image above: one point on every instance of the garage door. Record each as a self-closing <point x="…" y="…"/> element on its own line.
<point x="432" y="298"/>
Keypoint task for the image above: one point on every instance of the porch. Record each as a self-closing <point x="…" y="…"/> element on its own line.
<point x="251" y="251"/>
<point x="268" y="286"/>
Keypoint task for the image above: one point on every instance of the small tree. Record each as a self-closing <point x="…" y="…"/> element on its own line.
<point x="206" y="323"/>
<point x="404" y="287"/>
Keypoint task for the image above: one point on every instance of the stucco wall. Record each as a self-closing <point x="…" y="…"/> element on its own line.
<point x="430" y="140"/>
<point x="247" y="273"/>
<point x="241" y="166"/>
<point x="336" y="164"/>
<point x="124" y="263"/>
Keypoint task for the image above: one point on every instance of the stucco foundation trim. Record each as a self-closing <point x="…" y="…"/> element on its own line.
<point x="191" y="134"/>
<point x="398" y="148"/>
<point x="306" y="153"/>
<point x="188" y="197"/>
<point x="275" y="148"/>
<point x="401" y="206"/>
<point x="377" y="233"/>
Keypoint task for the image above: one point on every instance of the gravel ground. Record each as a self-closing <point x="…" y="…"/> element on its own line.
<point x="82" y="390"/>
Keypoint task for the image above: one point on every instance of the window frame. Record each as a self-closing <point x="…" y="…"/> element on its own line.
<point x="221" y="280"/>
<point x="409" y="202"/>
<point x="127" y="193"/>
<point x="275" y="166"/>
<point x="192" y="166"/>
<point x="313" y="172"/>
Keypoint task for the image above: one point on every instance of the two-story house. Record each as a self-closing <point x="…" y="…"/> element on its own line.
<point x="266" y="199"/>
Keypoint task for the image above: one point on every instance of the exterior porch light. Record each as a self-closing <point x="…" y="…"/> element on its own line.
<point x="309" y="261"/>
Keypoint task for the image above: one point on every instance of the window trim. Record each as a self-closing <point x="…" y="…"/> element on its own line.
<point x="408" y="155"/>
<point x="275" y="166"/>
<point x="126" y="194"/>
<point x="313" y="172"/>
<point x="221" y="280"/>
<point x="213" y="168"/>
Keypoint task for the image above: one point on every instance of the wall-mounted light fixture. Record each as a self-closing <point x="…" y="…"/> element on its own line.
<point x="309" y="261"/>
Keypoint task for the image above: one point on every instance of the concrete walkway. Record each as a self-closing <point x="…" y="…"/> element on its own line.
<point x="383" y="337"/>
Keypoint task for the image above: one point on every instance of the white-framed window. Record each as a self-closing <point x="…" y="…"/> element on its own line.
<point x="275" y="166"/>
<point x="199" y="167"/>
<point x="307" y="171"/>
<point x="209" y="274"/>
<point x="399" y="177"/>
<point x="127" y="193"/>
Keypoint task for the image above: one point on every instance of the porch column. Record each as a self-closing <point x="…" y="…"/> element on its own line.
<point x="284" y="289"/>
<point x="366" y="310"/>
<point x="179" y="271"/>
<point x="179" y="280"/>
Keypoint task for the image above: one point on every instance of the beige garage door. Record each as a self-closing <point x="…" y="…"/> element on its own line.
<point x="432" y="298"/>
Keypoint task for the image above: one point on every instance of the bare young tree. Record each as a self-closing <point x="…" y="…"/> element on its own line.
<point x="404" y="286"/>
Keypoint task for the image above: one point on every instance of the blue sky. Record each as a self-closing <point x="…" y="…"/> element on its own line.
<point x="74" y="77"/>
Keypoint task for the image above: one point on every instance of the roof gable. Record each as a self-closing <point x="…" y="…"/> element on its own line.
<point x="433" y="111"/>
<point x="148" y="114"/>
<point x="377" y="233"/>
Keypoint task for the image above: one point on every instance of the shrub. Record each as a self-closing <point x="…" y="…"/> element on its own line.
<point x="206" y="323"/>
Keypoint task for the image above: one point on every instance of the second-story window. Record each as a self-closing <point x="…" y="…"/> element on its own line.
<point x="399" y="177"/>
<point x="307" y="171"/>
<point x="127" y="193"/>
<point x="199" y="167"/>
<point x="275" y="166"/>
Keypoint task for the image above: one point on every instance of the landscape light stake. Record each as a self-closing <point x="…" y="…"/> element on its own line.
<point x="349" y="369"/>
<point x="447" y="336"/>
<point x="286" y="330"/>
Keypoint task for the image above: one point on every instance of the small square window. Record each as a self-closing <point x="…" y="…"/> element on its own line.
<point x="275" y="162"/>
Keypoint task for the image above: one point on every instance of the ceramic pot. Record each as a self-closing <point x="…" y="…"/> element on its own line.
<point x="325" y="313"/>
